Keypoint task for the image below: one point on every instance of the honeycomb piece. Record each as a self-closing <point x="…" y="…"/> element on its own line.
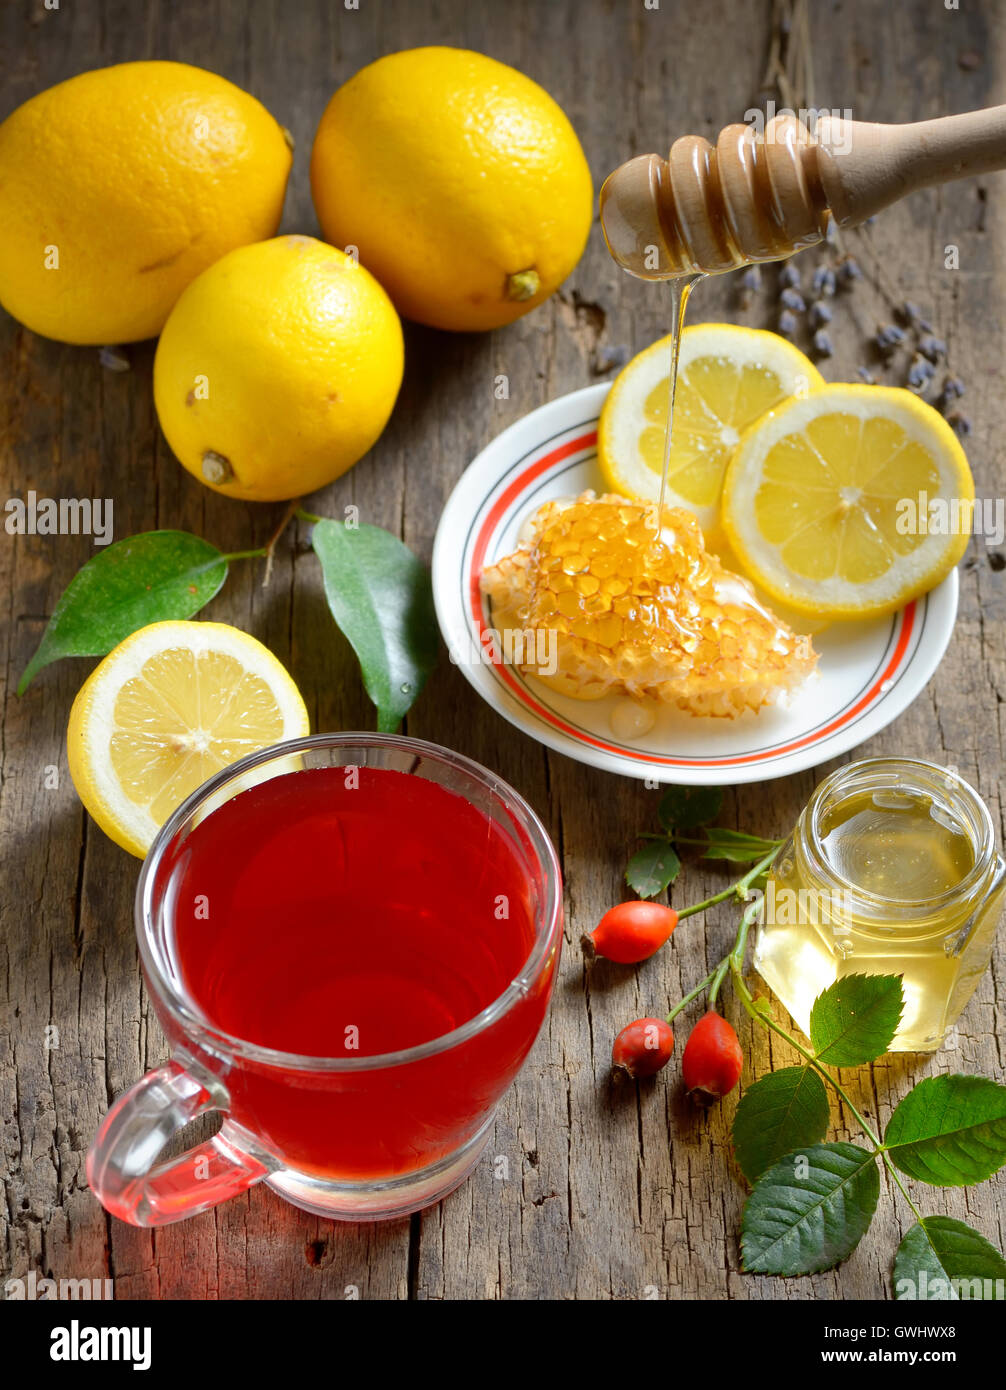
<point x="640" y="614"/>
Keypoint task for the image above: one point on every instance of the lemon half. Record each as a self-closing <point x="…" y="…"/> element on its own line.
<point x="849" y="502"/>
<point x="727" y="377"/>
<point x="170" y="706"/>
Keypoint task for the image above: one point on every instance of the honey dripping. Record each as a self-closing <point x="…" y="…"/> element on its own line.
<point x="680" y="290"/>
<point x="635" y="605"/>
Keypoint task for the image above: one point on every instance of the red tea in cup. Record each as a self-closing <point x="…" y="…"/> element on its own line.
<point x="351" y="958"/>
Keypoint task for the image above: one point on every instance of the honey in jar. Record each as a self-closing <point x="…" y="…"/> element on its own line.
<point x="892" y="870"/>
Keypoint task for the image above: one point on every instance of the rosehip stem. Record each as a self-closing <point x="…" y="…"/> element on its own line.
<point x="736" y="959"/>
<point x="718" y="978"/>
<point x="737" y="889"/>
<point x="720" y="971"/>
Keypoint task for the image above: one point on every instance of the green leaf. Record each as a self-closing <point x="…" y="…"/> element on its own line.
<point x="942" y="1260"/>
<point x="381" y="598"/>
<point x="683" y="808"/>
<point x="144" y="579"/>
<point x="736" y="846"/>
<point x="810" y="1210"/>
<point x="785" y="1111"/>
<point x="652" y="869"/>
<point x="854" y="1020"/>
<point x="949" y="1131"/>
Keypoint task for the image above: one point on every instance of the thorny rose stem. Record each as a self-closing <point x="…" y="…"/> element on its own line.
<point x="736" y="966"/>
<point x="739" y="888"/>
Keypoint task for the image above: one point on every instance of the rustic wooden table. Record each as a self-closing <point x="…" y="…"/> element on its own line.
<point x="608" y="1195"/>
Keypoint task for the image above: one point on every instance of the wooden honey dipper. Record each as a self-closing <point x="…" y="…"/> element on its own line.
<point x="760" y="197"/>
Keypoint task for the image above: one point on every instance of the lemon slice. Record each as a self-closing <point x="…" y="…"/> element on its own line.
<point x="727" y="378"/>
<point x="169" y="707"/>
<point x="850" y="501"/>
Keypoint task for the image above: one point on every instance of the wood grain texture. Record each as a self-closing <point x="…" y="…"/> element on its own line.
<point x="610" y="1193"/>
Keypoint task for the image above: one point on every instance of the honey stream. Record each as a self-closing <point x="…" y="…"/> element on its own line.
<point x="680" y="287"/>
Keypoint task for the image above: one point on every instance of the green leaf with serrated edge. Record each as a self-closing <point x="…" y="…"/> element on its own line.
<point x="735" y="846"/>
<point x="381" y="598"/>
<point x="810" y="1210"/>
<point x="652" y="869"/>
<point x="949" y="1131"/>
<point x="684" y="808"/>
<point x="783" y="1112"/>
<point x="149" y="578"/>
<point x="942" y="1260"/>
<point x="854" y="1020"/>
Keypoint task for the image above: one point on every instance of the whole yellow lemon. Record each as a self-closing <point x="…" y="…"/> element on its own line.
<point x="277" y="369"/>
<point x="460" y="181"/>
<point x="120" y="185"/>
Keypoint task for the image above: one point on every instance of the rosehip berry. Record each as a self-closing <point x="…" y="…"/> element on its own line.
<point x="712" y="1060"/>
<point x="630" y="932"/>
<point x="643" y="1047"/>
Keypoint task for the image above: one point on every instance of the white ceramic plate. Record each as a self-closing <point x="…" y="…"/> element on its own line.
<point x="869" y="671"/>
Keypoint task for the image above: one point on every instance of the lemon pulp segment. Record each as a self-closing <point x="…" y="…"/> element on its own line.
<point x="171" y="706"/>
<point x="827" y="500"/>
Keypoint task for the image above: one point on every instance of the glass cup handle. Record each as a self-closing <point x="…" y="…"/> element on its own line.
<point x="121" y="1164"/>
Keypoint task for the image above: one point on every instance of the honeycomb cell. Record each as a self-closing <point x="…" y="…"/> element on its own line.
<point x="642" y="614"/>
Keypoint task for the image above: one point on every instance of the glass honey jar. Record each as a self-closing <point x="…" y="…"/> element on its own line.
<point x="892" y="869"/>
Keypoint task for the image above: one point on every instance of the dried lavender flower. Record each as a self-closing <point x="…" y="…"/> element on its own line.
<point x="920" y="373"/>
<point x="751" y="279"/>
<point x="822" y="343"/>
<point x="952" y="390"/>
<point x="959" y="423"/>
<point x="820" y="313"/>
<point x="889" y="337"/>
<point x="866" y="375"/>
<point x="848" y="271"/>
<point x="608" y="358"/>
<point x="823" y="282"/>
<point x="787" y="324"/>
<point x="791" y="299"/>
<point x="113" y="359"/>
<point x="789" y="276"/>
<point x="932" y="347"/>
